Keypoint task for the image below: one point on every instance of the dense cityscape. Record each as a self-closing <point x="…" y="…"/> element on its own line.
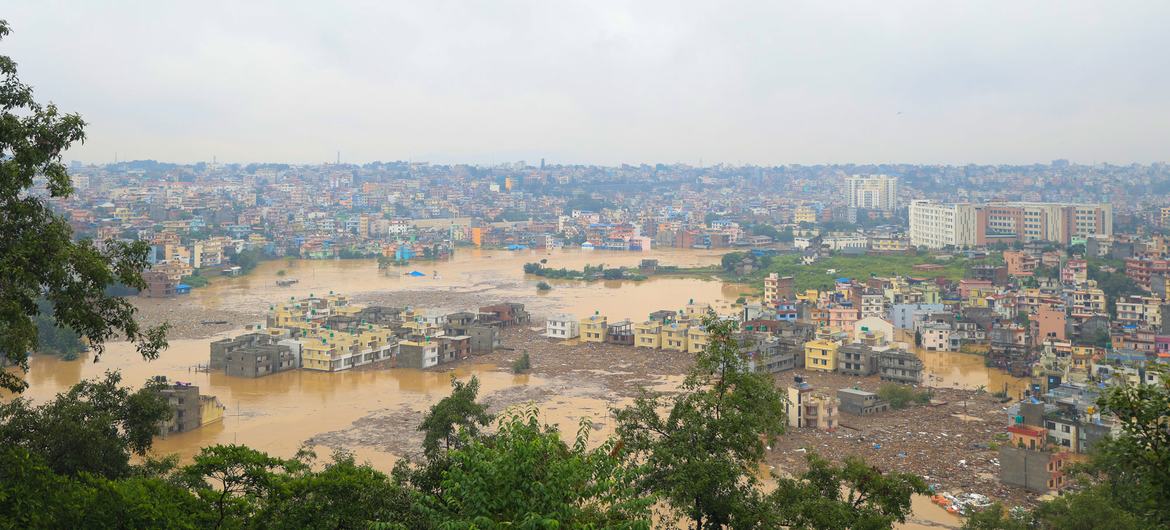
<point x="548" y="344"/>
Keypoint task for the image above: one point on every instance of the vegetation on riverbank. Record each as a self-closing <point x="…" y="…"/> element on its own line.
<point x="591" y="273"/>
<point x="817" y="275"/>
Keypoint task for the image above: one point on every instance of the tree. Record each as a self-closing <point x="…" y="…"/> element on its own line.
<point x="901" y="396"/>
<point x="523" y="364"/>
<point x="342" y="495"/>
<point x="38" y="257"/>
<point x="701" y="457"/>
<point x="232" y="482"/>
<point x="452" y="414"/>
<point x="525" y="476"/>
<point x="853" y="495"/>
<point x="93" y="428"/>
<point x="995" y="517"/>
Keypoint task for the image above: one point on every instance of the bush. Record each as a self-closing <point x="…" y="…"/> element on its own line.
<point x="901" y="396"/>
<point x="521" y="365"/>
<point x="543" y="286"/>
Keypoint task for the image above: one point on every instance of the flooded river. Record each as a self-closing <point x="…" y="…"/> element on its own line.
<point x="281" y="412"/>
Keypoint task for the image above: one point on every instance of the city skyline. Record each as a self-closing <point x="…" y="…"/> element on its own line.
<point x="607" y="84"/>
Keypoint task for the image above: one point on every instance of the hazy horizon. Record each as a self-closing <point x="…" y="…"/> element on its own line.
<point x="606" y="83"/>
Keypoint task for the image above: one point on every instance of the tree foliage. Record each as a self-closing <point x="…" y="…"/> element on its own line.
<point x="525" y="476"/>
<point x="852" y="495"/>
<point x="453" y="414"/>
<point x="38" y="256"/>
<point x="93" y="428"/>
<point x="701" y="456"/>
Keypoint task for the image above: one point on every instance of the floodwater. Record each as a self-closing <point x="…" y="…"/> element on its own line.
<point x="279" y="413"/>
<point x="495" y="274"/>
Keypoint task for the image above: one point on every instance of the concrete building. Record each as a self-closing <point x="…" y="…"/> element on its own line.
<point x="593" y="328"/>
<point x="809" y="408"/>
<point x="620" y="333"/>
<point x="562" y="326"/>
<point x="418" y="355"/>
<point x="648" y="334"/>
<point x="861" y="403"/>
<point x="877" y="192"/>
<point x="335" y="351"/>
<point x="935" y="225"/>
<point x="821" y="355"/>
<point x="778" y="288"/>
<point x="263" y="359"/>
<point x="189" y="409"/>
<point x="674" y="336"/>
<point x="900" y="366"/>
<point x="857" y="360"/>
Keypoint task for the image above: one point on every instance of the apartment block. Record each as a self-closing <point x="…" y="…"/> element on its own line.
<point x="936" y="225"/>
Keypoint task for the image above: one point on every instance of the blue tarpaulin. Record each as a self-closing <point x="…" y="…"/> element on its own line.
<point x="416" y="274"/>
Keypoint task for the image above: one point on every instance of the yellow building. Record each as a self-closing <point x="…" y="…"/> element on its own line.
<point x="593" y="328"/>
<point x="804" y="214"/>
<point x="820" y="354"/>
<point x="210" y="409"/>
<point x="696" y="311"/>
<point x="809" y="296"/>
<point x="648" y="334"/>
<point x="697" y="339"/>
<point x="674" y="336"/>
<point x="334" y="351"/>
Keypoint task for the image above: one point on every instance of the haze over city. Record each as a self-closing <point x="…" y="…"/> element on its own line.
<point x="605" y="82"/>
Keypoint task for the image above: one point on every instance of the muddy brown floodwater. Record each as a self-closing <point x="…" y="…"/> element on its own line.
<point x="374" y="413"/>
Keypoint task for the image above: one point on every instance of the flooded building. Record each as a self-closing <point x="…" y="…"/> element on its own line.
<point x="857" y="360"/>
<point x="861" y="403"/>
<point x="561" y="326"/>
<point x="593" y="328"/>
<point x="418" y="355"/>
<point x="807" y="407"/>
<point x="648" y="334"/>
<point x="900" y="366"/>
<point x="189" y="409"/>
<point x="821" y="354"/>
<point x="620" y="333"/>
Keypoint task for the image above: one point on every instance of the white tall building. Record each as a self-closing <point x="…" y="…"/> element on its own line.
<point x="937" y="225"/>
<point x="878" y="192"/>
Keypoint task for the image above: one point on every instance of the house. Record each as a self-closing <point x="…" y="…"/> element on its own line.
<point x="620" y="333"/>
<point x="561" y="326"/>
<point x="189" y="409"/>
<point x="820" y="354"/>
<point x="857" y="360"/>
<point x="809" y="408"/>
<point x="778" y="288"/>
<point x="262" y="359"/>
<point x="697" y="339"/>
<point x="504" y="314"/>
<point x="593" y="328"/>
<point x="874" y="326"/>
<point x="936" y="336"/>
<point x="900" y="366"/>
<point x="419" y="355"/>
<point x="674" y="336"/>
<point x="1026" y="459"/>
<point x="861" y="403"/>
<point x="648" y="334"/>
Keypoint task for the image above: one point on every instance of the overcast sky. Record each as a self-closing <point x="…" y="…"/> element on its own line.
<point x="768" y="82"/>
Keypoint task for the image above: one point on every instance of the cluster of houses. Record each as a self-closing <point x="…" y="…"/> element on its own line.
<point x="329" y="334"/>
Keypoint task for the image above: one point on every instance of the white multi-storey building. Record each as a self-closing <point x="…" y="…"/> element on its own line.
<point x="561" y="326"/>
<point x="878" y="192"/>
<point x="937" y="225"/>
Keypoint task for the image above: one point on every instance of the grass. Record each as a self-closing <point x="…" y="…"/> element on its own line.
<point x="858" y="267"/>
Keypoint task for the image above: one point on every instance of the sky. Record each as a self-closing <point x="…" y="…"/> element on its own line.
<point x="600" y="82"/>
